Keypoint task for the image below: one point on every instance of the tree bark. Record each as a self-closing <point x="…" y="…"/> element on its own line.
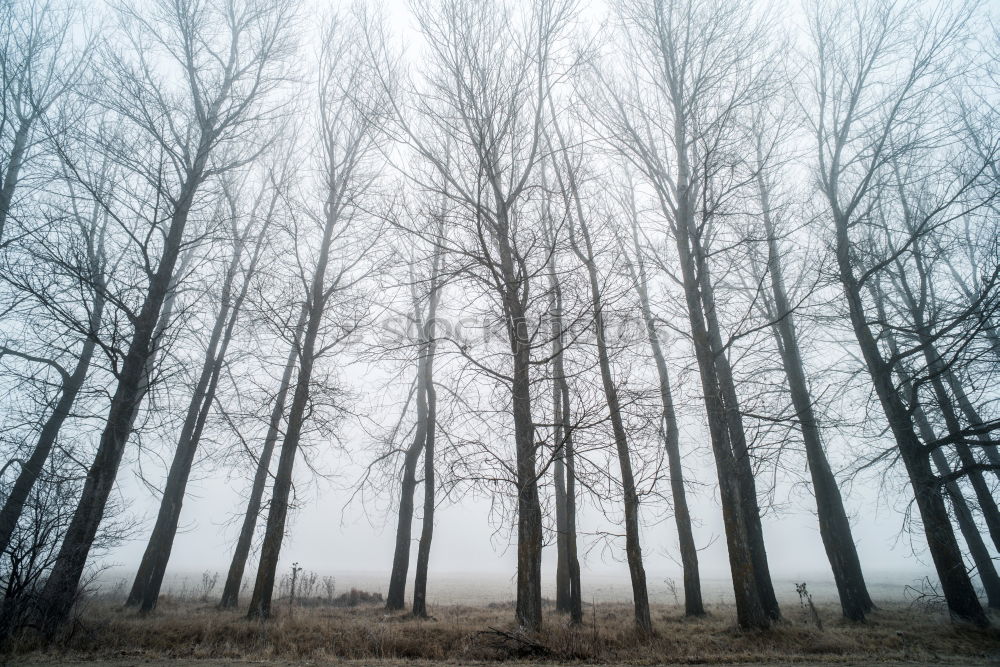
<point x="234" y="579"/>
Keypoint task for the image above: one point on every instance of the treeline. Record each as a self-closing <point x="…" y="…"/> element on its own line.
<point x="543" y="256"/>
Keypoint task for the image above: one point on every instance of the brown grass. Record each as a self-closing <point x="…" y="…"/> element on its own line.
<point x="191" y="630"/>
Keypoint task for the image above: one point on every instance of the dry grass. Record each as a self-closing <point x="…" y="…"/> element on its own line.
<point x="191" y="630"/>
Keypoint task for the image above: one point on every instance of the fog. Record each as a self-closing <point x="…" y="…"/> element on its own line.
<point x="669" y="302"/>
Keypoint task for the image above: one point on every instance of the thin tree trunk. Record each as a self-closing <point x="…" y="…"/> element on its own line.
<point x="234" y="579"/>
<point x="944" y="549"/>
<point x="963" y="514"/>
<point x="834" y="526"/>
<point x="427" y="522"/>
<point x="633" y="547"/>
<point x="559" y="475"/>
<point x="566" y="466"/>
<point x="152" y="568"/>
<point x="60" y="590"/>
<point x="31" y="469"/>
<point x="11" y="173"/>
<point x="573" y="561"/>
<point x="396" y="596"/>
<point x="693" y="605"/>
<point x="263" y="590"/>
<point x="563" y="585"/>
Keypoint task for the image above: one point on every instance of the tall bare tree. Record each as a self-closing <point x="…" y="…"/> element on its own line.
<point x="488" y="76"/>
<point x="230" y="53"/>
<point x="41" y="65"/>
<point x="876" y="70"/>
<point x="338" y="239"/>
<point x="248" y="234"/>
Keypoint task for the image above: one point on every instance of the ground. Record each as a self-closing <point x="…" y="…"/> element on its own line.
<point x="192" y="634"/>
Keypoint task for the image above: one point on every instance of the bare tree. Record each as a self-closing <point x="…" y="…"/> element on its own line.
<point x="488" y="77"/>
<point x="579" y="230"/>
<point x="229" y="53"/>
<point x="89" y="267"/>
<point x="429" y="343"/>
<point x="835" y="528"/>
<point x="701" y="65"/>
<point x="241" y="552"/>
<point x="350" y="111"/>
<point x="40" y="66"/>
<point x="875" y="70"/>
<point x="693" y="605"/>
<point x="248" y="235"/>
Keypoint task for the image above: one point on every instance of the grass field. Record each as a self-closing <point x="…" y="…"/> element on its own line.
<point x="187" y="630"/>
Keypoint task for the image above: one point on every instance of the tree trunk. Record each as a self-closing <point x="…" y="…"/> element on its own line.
<point x="734" y="421"/>
<point x="563" y="586"/>
<point x="60" y="590"/>
<point x="430" y="417"/>
<point x="528" y="607"/>
<point x="234" y="579"/>
<point x="750" y="609"/>
<point x="573" y="561"/>
<point x="31" y="469"/>
<point x="10" y="177"/>
<point x="274" y="533"/>
<point x="568" y="579"/>
<point x="693" y="605"/>
<point x="633" y="547"/>
<point x="944" y="549"/>
<point x="396" y="597"/>
<point x="970" y="531"/>
<point x="149" y="579"/>
<point x="963" y="515"/>
<point x="834" y="526"/>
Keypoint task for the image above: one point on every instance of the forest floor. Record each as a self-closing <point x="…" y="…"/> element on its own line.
<point x="193" y="634"/>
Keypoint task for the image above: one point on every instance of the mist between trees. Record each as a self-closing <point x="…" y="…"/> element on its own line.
<point x="520" y="247"/>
